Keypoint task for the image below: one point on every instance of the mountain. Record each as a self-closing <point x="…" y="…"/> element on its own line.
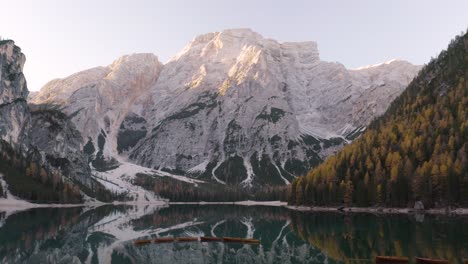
<point x="100" y="100"/>
<point x="232" y="107"/>
<point x="416" y="151"/>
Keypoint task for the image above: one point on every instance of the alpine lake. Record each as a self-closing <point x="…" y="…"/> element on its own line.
<point x="107" y="234"/>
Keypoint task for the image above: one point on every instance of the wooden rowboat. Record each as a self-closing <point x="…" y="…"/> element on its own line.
<point x="142" y="242"/>
<point x="250" y="241"/>
<point x="163" y="240"/>
<point x="431" y="261"/>
<point x="187" y="239"/>
<point x="391" y="259"/>
<point x="211" y="239"/>
<point x="232" y="239"/>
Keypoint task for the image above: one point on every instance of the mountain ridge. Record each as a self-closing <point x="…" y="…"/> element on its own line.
<point x="232" y="99"/>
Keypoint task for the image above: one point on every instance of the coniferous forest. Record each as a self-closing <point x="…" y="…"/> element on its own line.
<point x="29" y="180"/>
<point x="416" y="151"/>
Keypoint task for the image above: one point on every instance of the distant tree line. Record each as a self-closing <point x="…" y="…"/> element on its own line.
<point x="28" y="179"/>
<point x="178" y="191"/>
<point x="4" y="40"/>
<point x="418" y="150"/>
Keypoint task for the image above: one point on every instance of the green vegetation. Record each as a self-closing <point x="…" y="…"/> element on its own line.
<point x="89" y="149"/>
<point x="418" y="150"/>
<point x="265" y="171"/>
<point x="27" y="179"/>
<point x="274" y="116"/>
<point x="132" y="129"/>
<point x="353" y="237"/>
<point x="100" y="163"/>
<point x="205" y="101"/>
<point x="4" y="41"/>
<point x="231" y="171"/>
<point x="127" y="139"/>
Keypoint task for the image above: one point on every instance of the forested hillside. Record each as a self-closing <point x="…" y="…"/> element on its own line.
<point x="418" y="150"/>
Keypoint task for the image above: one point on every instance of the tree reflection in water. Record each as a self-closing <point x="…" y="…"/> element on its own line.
<point x="106" y="234"/>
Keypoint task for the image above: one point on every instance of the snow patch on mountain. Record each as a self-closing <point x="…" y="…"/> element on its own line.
<point x="120" y="181"/>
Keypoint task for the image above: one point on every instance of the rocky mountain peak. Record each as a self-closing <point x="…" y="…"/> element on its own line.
<point x="227" y="44"/>
<point x="136" y="64"/>
<point x="132" y="73"/>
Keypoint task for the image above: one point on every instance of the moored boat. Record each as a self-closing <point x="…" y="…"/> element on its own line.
<point x="211" y="239"/>
<point x="431" y="261"/>
<point x="187" y="239"/>
<point x="164" y="240"/>
<point x="391" y="259"/>
<point x="232" y="239"/>
<point x="142" y="242"/>
<point x="250" y="241"/>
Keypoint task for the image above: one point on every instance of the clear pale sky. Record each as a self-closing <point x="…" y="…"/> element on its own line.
<point x="61" y="37"/>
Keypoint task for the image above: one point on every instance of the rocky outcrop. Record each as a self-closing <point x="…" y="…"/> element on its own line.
<point x="13" y="93"/>
<point x="60" y="144"/>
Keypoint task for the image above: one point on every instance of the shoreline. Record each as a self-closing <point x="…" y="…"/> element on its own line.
<point x="244" y="203"/>
<point x="11" y="206"/>
<point x="379" y="210"/>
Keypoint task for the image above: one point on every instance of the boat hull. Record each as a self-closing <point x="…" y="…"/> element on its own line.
<point x="232" y="239"/>
<point x="251" y="241"/>
<point x="142" y="242"/>
<point x="164" y="240"/>
<point x="391" y="259"/>
<point x="431" y="261"/>
<point x="211" y="239"/>
<point x="187" y="239"/>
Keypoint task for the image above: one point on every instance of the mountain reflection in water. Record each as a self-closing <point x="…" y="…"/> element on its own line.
<point x="106" y="234"/>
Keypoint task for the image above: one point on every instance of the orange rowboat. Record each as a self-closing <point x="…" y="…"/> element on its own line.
<point x="211" y="239"/>
<point x="142" y="242"/>
<point x="391" y="259"/>
<point x="163" y="240"/>
<point x="431" y="261"/>
<point x="187" y="239"/>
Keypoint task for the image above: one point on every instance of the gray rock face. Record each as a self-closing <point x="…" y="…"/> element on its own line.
<point x="48" y="133"/>
<point x="60" y="144"/>
<point x="13" y="93"/>
<point x="231" y="107"/>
